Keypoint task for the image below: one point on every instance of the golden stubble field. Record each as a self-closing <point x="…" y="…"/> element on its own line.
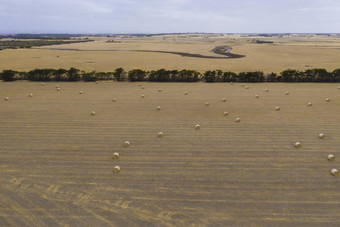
<point x="56" y="158"/>
<point x="296" y="52"/>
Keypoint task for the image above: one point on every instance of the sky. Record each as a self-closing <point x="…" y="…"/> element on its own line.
<point x="169" y="16"/>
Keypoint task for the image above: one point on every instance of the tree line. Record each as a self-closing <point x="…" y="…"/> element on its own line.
<point x="163" y="75"/>
<point x="15" y="44"/>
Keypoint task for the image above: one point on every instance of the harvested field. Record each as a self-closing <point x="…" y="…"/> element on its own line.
<point x="57" y="166"/>
<point x="176" y="52"/>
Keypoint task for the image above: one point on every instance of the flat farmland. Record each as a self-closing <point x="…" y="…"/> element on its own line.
<point x="57" y="167"/>
<point x="151" y="53"/>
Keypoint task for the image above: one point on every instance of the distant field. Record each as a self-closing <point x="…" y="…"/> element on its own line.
<point x="56" y="159"/>
<point x="297" y="52"/>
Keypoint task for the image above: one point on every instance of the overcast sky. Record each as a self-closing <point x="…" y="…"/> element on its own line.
<point x="162" y="16"/>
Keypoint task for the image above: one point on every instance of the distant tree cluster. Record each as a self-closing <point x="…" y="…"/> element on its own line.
<point x="16" y="44"/>
<point x="260" y="41"/>
<point x="163" y="75"/>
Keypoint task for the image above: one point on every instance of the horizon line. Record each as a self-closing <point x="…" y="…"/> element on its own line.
<point x="166" y="33"/>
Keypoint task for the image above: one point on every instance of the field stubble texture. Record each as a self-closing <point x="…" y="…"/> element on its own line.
<point x="56" y="159"/>
<point x="154" y="53"/>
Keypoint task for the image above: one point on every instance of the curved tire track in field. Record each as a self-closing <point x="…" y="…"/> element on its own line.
<point x="220" y="50"/>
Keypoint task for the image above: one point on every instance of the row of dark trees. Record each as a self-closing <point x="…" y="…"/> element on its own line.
<point x="72" y="74"/>
<point x="220" y="76"/>
<point x="163" y="75"/>
<point x="309" y="75"/>
<point x="119" y="74"/>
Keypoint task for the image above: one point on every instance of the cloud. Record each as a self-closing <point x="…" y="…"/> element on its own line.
<point x="96" y="7"/>
<point x="152" y="16"/>
<point x="326" y="9"/>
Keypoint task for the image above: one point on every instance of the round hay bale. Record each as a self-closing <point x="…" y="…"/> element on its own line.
<point x="160" y="134"/>
<point x="328" y="99"/>
<point x="334" y="172"/>
<point x="81" y="92"/>
<point x="321" y="136"/>
<point x="267" y="90"/>
<point x="206" y="103"/>
<point x="231" y="83"/>
<point x="114" y="100"/>
<point x="7" y="98"/>
<point x="286" y="93"/>
<point x="58" y="89"/>
<point x="297" y="145"/>
<point x="143" y="87"/>
<point x="242" y="85"/>
<point x="226" y="113"/>
<point x="116" y="169"/>
<point x="197" y="126"/>
<point x="42" y="84"/>
<point x="93" y="113"/>
<point x="158" y="108"/>
<point x="30" y="95"/>
<point x="309" y="104"/>
<point x="247" y="87"/>
<point x="338" y="87"/>
<point x="277" y="108"/>
<point x="186" y="93"/>
<point x="224" y="100"/>
<point x="257" y="96"/>
<point x="126" y="144"/>
<point x="115" y="155"/>
<point x="142" y="96"/>
<point x="330" y="157"/>
<point x="57" y="86"/>
<point x="237" y="120"/>
<point x="159" y="90"/>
